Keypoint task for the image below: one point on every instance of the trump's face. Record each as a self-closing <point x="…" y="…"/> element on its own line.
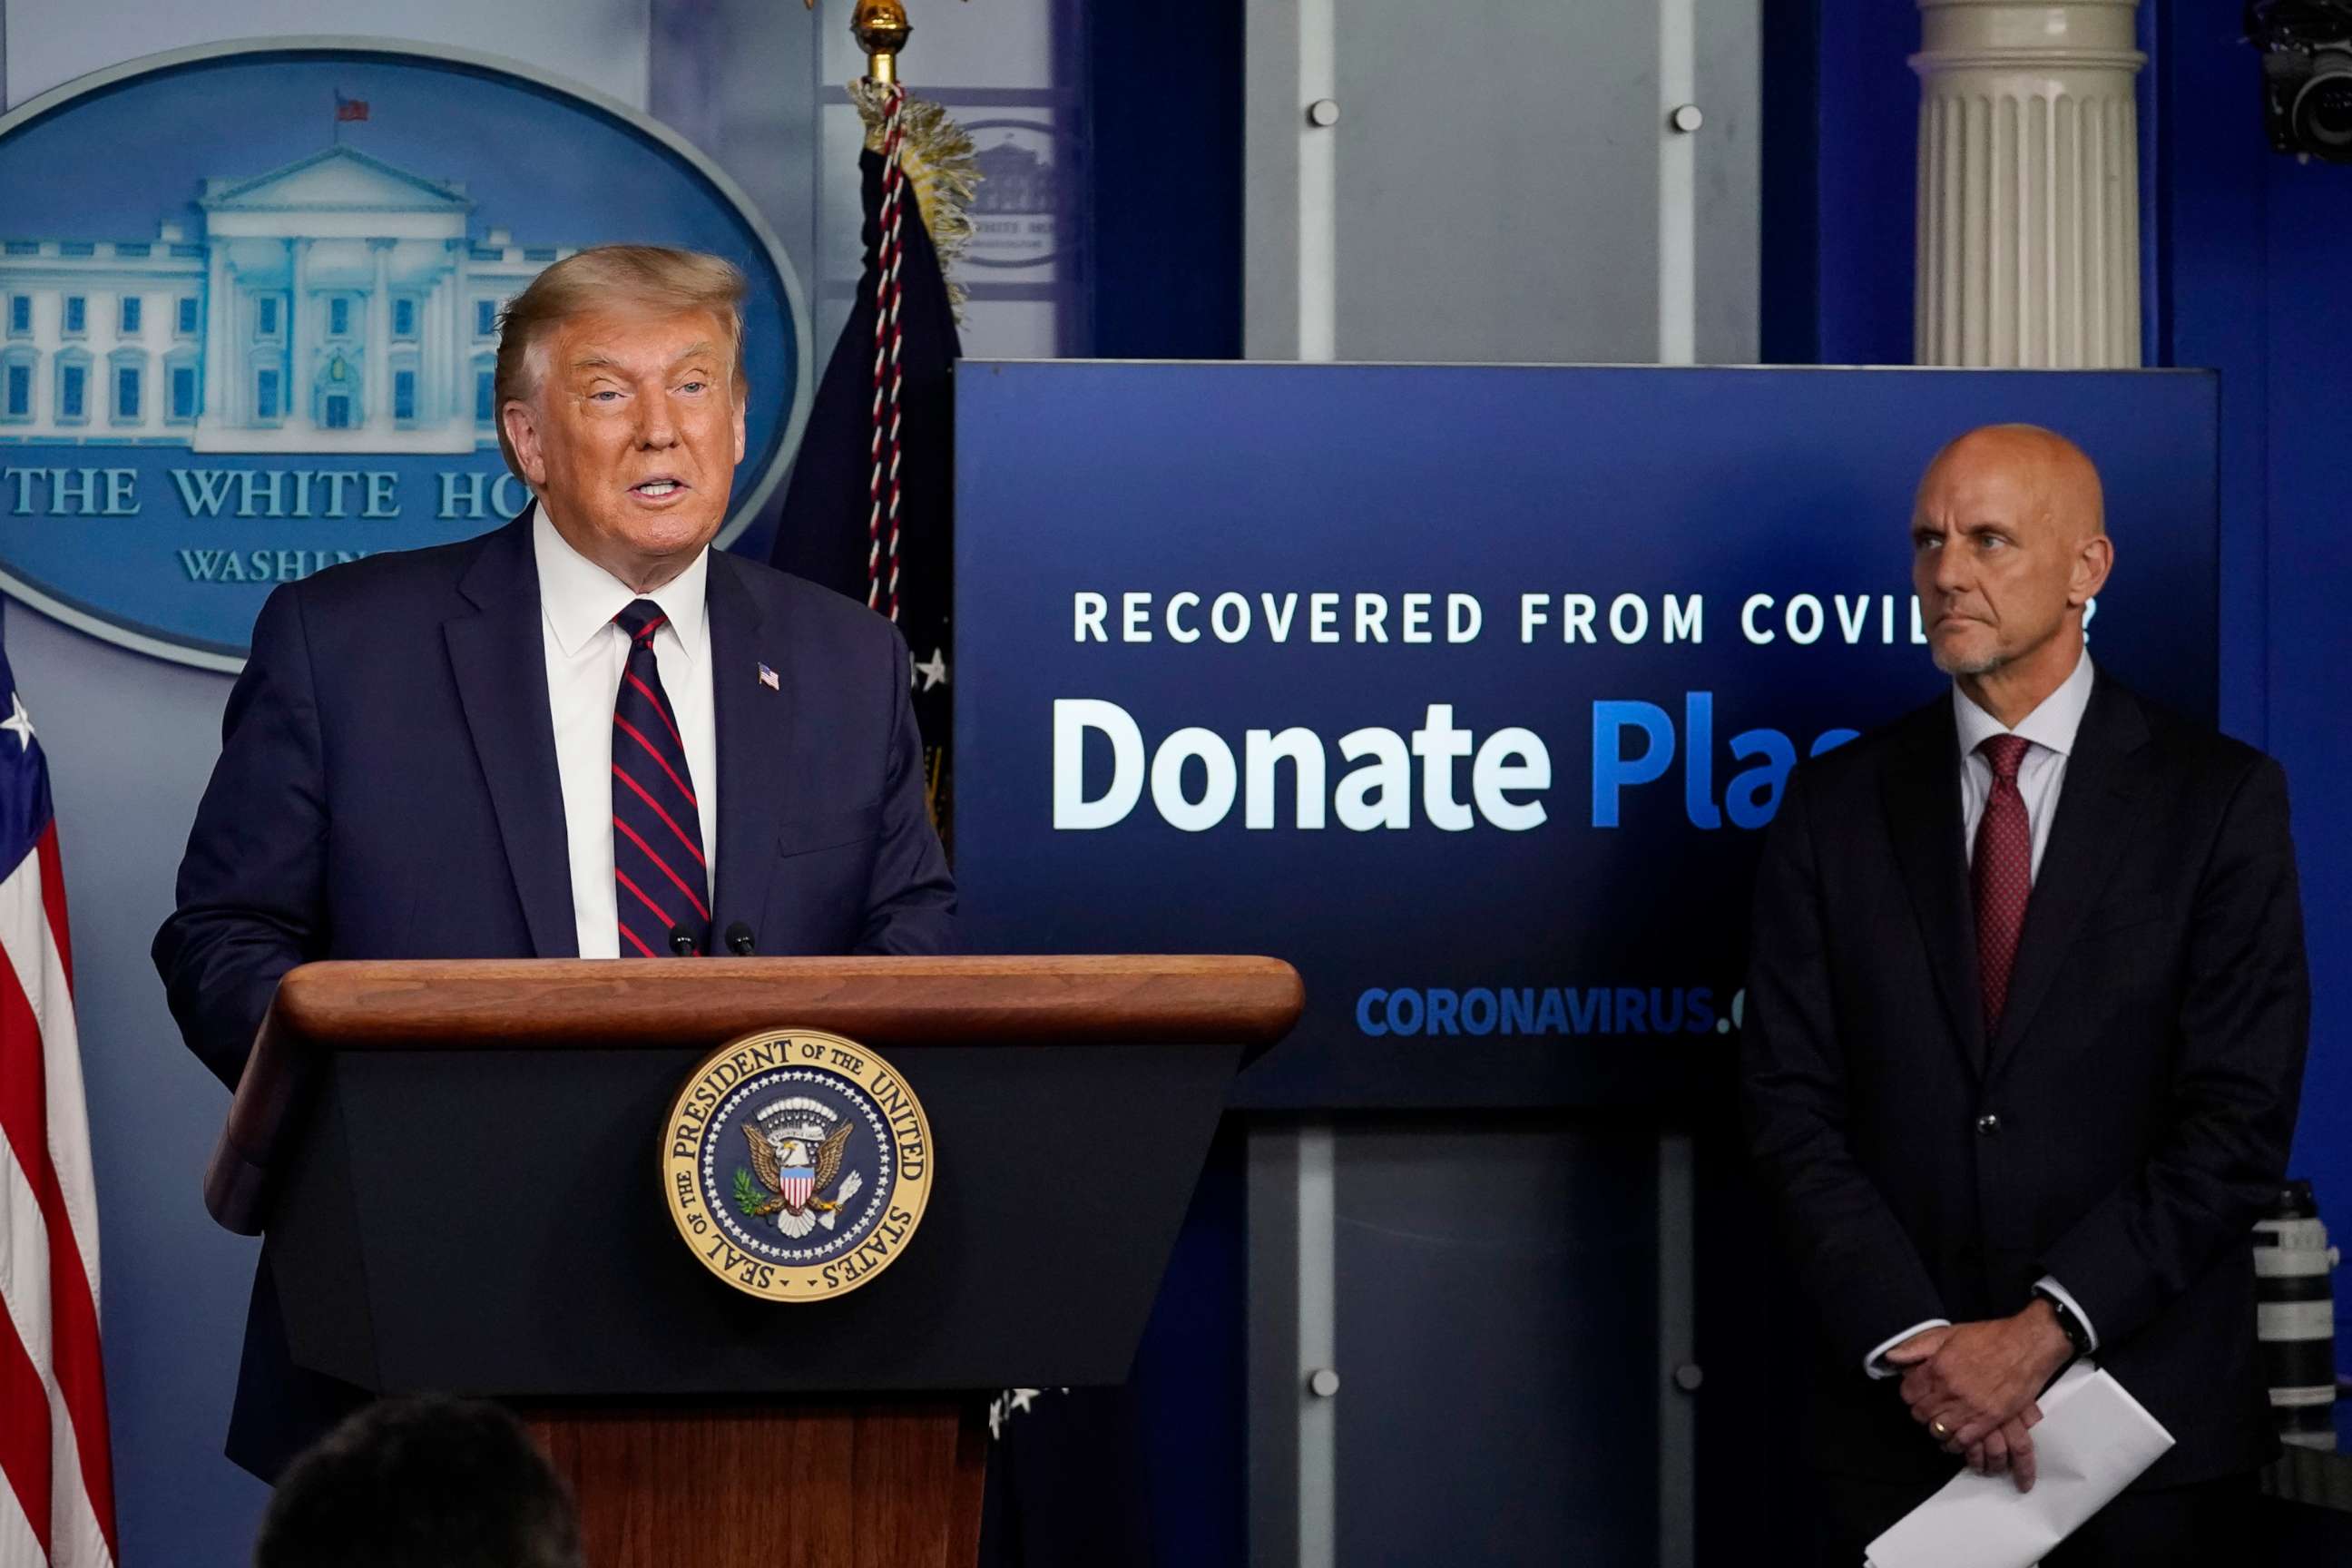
<point x="632" y="437"/>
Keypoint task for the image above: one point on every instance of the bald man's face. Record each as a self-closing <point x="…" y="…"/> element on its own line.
<point x="2003" y="549"/>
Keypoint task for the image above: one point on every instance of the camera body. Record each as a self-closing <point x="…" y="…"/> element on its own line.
<point x="2306" y="47"/>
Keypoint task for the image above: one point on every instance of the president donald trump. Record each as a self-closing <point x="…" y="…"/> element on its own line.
<point x="586" y="734"/>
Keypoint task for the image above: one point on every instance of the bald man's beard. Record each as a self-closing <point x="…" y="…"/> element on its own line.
<point x="1983" y="664"/>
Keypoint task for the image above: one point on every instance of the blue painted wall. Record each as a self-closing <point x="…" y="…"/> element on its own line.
<point x="2251" y="253"/>
<point x="1866" y="114"/>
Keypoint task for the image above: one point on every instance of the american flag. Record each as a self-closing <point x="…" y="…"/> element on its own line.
<point x="348" y="108"/>
<point x="57" y="1507"/>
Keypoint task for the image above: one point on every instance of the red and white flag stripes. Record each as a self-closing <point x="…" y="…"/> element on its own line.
<point x="57" y="1506"/>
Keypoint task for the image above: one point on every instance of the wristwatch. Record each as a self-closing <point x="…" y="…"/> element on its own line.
<point x="2069" y="1324"/>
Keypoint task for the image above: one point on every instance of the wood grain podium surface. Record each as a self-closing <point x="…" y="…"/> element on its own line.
<point x="635" y="1002"/>
<point x="816" y="1485"/>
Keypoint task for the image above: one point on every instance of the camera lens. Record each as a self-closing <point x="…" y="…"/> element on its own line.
<point x="2323" y="110"/>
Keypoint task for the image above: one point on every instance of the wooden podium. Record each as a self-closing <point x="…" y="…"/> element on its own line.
<point x="454" y="1166"/>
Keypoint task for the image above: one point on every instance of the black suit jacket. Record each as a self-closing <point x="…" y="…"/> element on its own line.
<point x="2124" y="1129"/>
<point x="387" y="788"/>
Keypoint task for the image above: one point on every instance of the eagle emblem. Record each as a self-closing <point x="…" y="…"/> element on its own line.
<point x="795" y="1164"/>
<point x="797" y="1147"/>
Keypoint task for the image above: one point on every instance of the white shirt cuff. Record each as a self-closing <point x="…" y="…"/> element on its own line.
<point x="2047" y="1283"/>
<point x="1875" y="1367"/>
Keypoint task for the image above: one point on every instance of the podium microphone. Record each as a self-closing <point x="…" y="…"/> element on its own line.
<point x="738" y="940"/>
<point x="682" y="942"/>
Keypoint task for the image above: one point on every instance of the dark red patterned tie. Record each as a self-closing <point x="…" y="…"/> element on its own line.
<point x="2001" y="875"/>
<point x="659" y="875"/>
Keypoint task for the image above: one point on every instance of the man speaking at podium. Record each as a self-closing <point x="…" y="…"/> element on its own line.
<point x="586" y="734"/>
<point x="2025" y="1037"/>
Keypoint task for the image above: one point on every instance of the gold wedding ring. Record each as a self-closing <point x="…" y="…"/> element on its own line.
<point x="1943" y="1433"/>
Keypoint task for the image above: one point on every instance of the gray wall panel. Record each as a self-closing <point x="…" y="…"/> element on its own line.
<point x="1501" y="183"/>
<point x="1497" y="189"/>
<point x="1496" y="1339"/>
<point x="600" y="42"/>
<point x="1729" y="74"/>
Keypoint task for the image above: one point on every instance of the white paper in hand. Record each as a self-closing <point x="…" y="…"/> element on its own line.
<point x="2093" y="1440"/>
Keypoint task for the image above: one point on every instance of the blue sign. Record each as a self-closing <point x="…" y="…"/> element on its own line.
<point x="1468" y="690"/>
<point x="246" y="330"/>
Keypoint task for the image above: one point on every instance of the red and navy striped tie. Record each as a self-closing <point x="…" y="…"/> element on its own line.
<point x="659" y="873"/>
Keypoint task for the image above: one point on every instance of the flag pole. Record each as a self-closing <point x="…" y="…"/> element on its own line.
<point x="881" y="29"/>
<point x="915" y="216"/>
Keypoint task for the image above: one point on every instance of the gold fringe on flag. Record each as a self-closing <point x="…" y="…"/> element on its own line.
<point x="939" y="162"/>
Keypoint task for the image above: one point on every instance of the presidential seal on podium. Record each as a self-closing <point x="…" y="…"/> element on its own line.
<point x="797" y="1164"/>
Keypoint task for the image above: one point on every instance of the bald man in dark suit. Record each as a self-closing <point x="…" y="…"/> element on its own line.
<point x="2026" y="1028"/>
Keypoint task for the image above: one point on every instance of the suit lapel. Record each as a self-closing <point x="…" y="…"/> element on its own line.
<point x="499" y="658"/>
<point x="756" y="725"/>
<point x="1922" y="790"/>
<point x="2097" y="814"/>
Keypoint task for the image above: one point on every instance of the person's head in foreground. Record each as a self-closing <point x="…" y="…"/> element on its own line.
<point x="620" y="392"/>
<point x="425" y="1482"/>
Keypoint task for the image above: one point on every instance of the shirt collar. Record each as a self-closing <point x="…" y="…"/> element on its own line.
<point x="2053" y="725"/>
<point x="579" y="598"/>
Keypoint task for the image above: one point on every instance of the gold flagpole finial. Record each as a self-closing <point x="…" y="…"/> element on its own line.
<point x="881" y="29"/>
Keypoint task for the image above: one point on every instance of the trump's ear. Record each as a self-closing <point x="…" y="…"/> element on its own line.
<point x="523" y="433"/>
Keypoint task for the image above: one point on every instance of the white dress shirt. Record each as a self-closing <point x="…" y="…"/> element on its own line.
<point x="2041" y="774"/>
<point x="586" y="655"/>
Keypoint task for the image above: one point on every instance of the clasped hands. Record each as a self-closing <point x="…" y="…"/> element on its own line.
<point x="1973" y="1386"/>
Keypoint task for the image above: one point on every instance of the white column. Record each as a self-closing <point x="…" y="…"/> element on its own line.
<point x="461" y="333"/>
<point x="2029" y="184"/>
<point x="217" y="345"/>
<point x="298" y="303"/>
<point x="451" y="308"/>
<point x="379" y="340"/>
<point x="432" y="346"/>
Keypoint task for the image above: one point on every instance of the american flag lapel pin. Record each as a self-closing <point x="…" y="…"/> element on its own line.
<point x="768" y="679"/>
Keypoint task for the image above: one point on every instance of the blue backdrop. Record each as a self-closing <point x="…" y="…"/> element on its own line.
<point x="1509" y="847"/>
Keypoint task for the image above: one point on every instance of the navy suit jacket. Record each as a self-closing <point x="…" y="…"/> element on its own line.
<point x="2123" y="1130"/>
<point x="387" y="788"/>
